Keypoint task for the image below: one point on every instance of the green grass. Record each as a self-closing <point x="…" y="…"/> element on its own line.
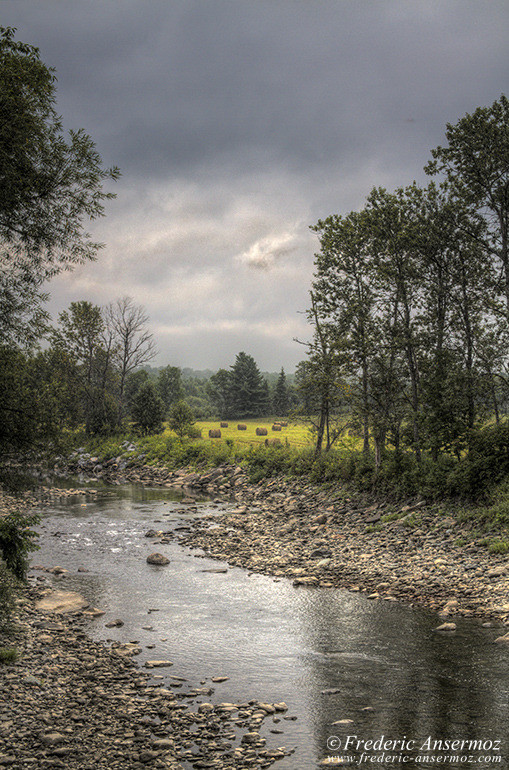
<point x="478" y="482"/>
<point x="499" y="546"/>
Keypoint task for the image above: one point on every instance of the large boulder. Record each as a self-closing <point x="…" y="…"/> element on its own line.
<point x="158" y="559"/>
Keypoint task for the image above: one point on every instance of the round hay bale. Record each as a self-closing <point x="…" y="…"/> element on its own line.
<point x="223" y="425"/>
<point x="214" y="433"/>
<point x="273" y="442"/>
<point x="261" y="431"/>
<point x="241" y="426"/>
<point x="276" y="427"/>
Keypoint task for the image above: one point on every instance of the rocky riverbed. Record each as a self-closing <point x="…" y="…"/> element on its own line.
<point x="288" y="528"/>
<point x="70" y="702"/>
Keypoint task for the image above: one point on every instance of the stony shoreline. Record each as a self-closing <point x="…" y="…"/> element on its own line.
<point x="293" y="529"/>
<point x="71" y="702"/>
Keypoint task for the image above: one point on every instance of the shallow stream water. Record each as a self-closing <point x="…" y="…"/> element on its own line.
<point x="328" y="653"/>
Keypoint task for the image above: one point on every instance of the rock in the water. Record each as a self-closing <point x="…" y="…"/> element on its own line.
<point x="446" y="627"/>
<point x="158" y="559"/>
<point x="158" y="663"/>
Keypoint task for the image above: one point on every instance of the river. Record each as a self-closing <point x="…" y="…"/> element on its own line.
<point x="331" y="655"/>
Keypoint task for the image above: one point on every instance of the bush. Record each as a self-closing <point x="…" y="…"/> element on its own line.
<point x="263" y="462"/>
<point x="181" y="419"/>
<point x="486" y="464"/>
<point x="499" y="546"/>
<point x="8" y="655"/>
<point x="17" y="539"/>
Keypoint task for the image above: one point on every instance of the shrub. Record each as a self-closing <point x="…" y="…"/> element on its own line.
<point x="17" y="539"/>
<point x="487" y="461"/>
<point x="8" y="655"/>
<point x="148" y="409"/>
<point x="181" y="419"/>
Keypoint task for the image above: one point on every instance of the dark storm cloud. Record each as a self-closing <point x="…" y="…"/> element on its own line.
<point x="170" y="85"/>
<point x="236" y="125"/>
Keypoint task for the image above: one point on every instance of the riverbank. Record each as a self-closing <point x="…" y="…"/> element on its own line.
<point x="417" y="553"/>
<point x="70" y="702"/>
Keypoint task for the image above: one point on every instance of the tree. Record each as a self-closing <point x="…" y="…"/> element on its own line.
<point x="219" y="391"/>
<point x="81" y="334"/>
<point x="169" y="385"/>
<point x="17" y="428"/>
<point x="38" y="399"/>
<point x="147" y="409"/>
<point x="475" y="165"/>
<point x="132" y="342"/>
<point x="343" y="303"/>
<point x="181" y="419"/>
<point x="249" y="391"/>
<point x="320" y="383"/>
<point x="133" y="383"/>
<point x="49" y="186"/>
<point x="281" y="399"/>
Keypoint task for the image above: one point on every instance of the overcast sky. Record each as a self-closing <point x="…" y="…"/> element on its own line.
<point x="237" y="124"/>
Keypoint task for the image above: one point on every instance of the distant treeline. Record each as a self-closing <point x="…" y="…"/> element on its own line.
<point x="94" y="374"/>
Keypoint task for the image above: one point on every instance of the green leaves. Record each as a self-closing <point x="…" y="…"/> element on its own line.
<point x="403" y="296"/>
<point x="50" y="185"/>
<point x="475" y="166"/>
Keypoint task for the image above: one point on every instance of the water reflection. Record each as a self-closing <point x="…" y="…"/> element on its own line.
<point x="276" y="642"/>
<point x="418" y="683"/>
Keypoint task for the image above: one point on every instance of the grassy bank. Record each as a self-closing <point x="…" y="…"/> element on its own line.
<point x="476" y="486"/>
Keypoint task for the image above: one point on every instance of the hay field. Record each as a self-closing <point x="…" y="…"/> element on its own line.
<point x="296" y="434"/>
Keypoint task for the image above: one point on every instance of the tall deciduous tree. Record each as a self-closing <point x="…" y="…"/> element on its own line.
<point x="319" y="382"/>
<point x="80" y="333"/>
<point x="50" y="186"/>
<point x="343" y="302"/>
<point x="475" y="164"/>
<point x="133" y="343"/>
